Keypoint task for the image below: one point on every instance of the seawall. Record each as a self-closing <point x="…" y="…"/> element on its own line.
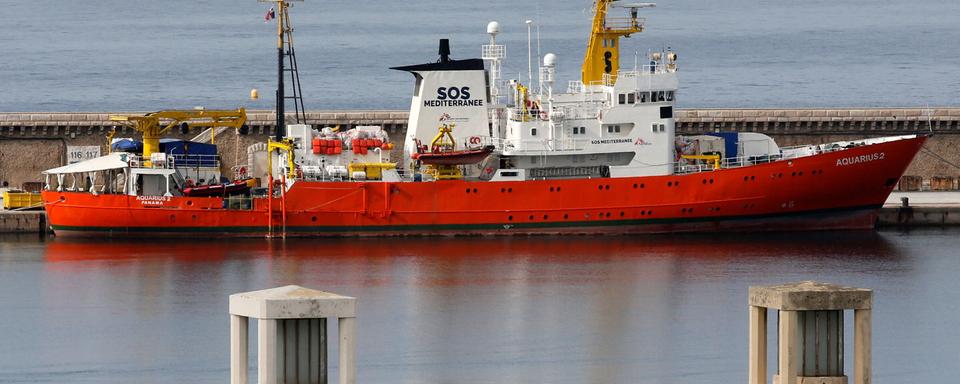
<point x="31" y="142"/>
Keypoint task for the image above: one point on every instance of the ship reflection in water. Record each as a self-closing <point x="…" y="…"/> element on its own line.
<point x="467" y="310"/>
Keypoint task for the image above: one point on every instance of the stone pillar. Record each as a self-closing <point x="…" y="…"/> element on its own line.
<point x="818" y="309"/>
<point x="239" y="348"/>
<point x="348" y="342"/>
<point x="788" y="347"/>
<point x="758" y="345"/>
<point x="862" y="346"/>
<point x="291" y="335"/>
<point x="266" y="351"/>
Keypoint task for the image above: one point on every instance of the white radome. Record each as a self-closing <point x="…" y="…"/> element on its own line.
<point x="549" y="60"/>
<point x="493" y="28"/>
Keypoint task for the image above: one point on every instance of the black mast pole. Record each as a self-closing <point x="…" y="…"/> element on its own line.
<point x="280" y="98"/>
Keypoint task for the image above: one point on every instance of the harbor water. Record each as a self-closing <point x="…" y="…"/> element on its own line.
<point x="571" y="310"/>
<point x="145" y="55"/>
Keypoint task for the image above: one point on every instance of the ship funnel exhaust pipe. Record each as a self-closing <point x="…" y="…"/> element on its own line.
<point x="444" y="50"/>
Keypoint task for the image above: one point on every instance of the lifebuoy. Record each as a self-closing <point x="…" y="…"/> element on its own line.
<point x="543" y="115"/>
<point x="475" y="140"/>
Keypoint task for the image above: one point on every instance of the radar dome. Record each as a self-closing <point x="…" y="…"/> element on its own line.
<point x="549" y="60"/>
<point x="493" y="28"/>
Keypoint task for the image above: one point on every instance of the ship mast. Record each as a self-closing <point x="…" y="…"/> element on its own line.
<point x="285" y="51"/>
<point x="602" y="60"/>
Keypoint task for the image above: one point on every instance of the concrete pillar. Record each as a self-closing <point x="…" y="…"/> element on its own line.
<point x="266" y="351"/>
<point x="810" y="326"/>
<point x="789" y="355"/>
<point x="758" y="345"/>
<point x="291" y="335"/>
<point x="861" y="346"/>
<point x="239" y="348"/>
<point x="348" y="342"/>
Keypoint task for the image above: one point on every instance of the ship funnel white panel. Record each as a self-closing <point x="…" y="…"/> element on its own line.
<point x="456" y="97"/>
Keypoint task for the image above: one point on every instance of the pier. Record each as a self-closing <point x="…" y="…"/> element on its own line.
<point x="31" y="142"/>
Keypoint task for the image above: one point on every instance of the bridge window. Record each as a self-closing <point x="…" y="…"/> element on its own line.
<point x="644" y="96"/>
<point x="666" y="112"/>
<point x="669" y="95"/>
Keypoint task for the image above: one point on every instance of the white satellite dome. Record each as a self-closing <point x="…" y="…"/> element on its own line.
<point x="493" y="28"/>
<point x="549" y="60"/>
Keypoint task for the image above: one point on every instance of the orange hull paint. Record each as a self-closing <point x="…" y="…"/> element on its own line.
<point x="810" y="193"/>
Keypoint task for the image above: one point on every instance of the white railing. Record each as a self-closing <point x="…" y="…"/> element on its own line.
<point x="493" y="52"/>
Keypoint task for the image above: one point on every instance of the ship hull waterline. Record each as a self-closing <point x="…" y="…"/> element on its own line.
<point x="829" y="191"/>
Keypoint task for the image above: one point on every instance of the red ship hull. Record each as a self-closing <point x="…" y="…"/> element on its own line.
<point x="836" y="190"/>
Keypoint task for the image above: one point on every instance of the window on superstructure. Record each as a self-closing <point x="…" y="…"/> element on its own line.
<point x="669" y="95"/>
<point x="622" y="98"/>
<point x="644" y="96"/>
<point x="654" y="127"/>
<point x="631" y="98"/>
<point x="533" y="131"/>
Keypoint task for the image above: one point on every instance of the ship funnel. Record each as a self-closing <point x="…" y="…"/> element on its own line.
<point x="444" y="50"/>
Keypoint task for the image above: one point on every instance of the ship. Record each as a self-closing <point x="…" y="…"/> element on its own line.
<point x="485" y="155"/>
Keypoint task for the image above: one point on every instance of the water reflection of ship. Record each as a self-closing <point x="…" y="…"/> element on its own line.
<point x="575" y="249"/>
<point x="610" y="304"/>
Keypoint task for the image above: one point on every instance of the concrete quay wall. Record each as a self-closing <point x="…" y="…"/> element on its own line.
<point x="33" y="141"/>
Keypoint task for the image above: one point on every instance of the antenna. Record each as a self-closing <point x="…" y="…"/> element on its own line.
<point x="529" y="54"/>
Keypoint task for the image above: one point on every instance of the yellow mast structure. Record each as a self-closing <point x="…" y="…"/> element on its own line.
<point x="602" y="59"/>
<point x="154" y="125"/>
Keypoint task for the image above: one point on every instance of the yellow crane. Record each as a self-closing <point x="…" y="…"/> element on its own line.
<point x="154" y="125"/>
<point x="603" y="51"/>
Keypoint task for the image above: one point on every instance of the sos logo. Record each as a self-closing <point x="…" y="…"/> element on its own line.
<point x="453" y="93"/>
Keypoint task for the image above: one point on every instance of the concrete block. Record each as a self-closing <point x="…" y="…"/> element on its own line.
<point x="292" y="302"/>
<point x="810" y="295"/>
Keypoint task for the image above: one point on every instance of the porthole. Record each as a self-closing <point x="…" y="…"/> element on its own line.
<point x="607" y="187"/>
<point x="531" y="217"/>
<point x="545" y="217"/>
<point x="509" y="190"/>
<point x="313" y="219"/>
<point x="474" y="190"/>
<point x="565" y="216"/>
<point x="189" y="203"/>
<point x="634" y="186"/>
<point x="711" y="181"/>
<point x="669" y="183"/>
<point x="510" y="218"/>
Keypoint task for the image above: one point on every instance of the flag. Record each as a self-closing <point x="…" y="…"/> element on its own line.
<point x="270" y="15"/>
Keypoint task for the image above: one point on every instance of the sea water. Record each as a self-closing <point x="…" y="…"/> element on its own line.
<point x="141" y="55"/>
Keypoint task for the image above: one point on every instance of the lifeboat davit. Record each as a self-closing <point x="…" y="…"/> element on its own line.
<point x="458" y="157"/>
<point x="239" y="186"/>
